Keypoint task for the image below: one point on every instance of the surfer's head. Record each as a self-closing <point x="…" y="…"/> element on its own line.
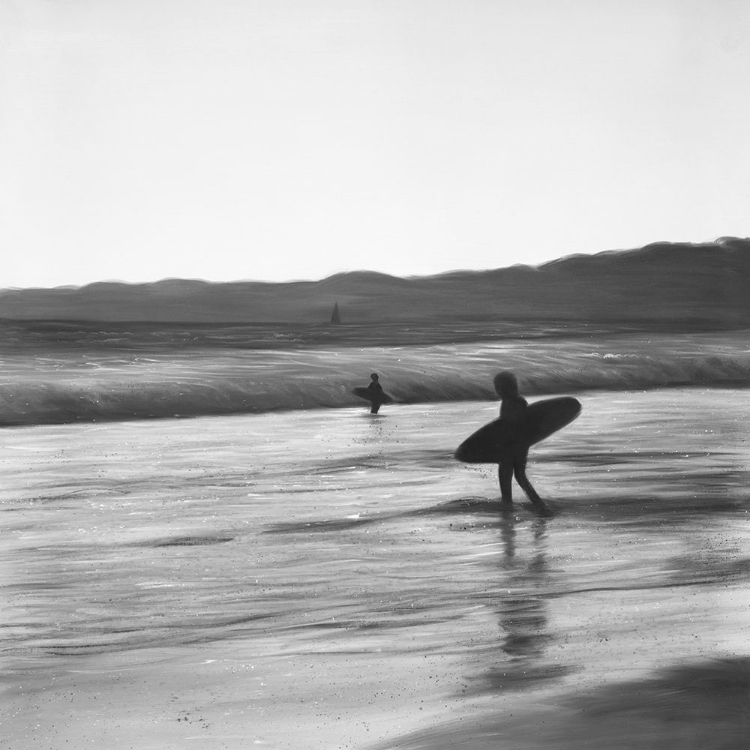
<point x="506" y="384"/>
<point x="374" y="376"/>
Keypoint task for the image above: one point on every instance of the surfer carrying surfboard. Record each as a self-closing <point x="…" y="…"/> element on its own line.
<point x="376" y="393"/>
<point x="513" y="447"/>
<point x="373" y="393"/>
<point x="506" y="441"/>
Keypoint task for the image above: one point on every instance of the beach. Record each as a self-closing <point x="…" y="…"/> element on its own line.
<point x="327" y="579"/>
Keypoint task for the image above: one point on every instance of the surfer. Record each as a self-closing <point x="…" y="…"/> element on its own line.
<point x="375" y="392"/>
<point x="506" y="441"/>
<point x="514" y="448"/>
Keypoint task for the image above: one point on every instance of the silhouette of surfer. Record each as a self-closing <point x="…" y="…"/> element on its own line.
<point x="375" y="392"/>
<point x="506" y="441"/>
<point x="514" y="447"/>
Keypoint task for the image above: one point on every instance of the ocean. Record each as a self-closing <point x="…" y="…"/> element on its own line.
<point x="277" y="568"/>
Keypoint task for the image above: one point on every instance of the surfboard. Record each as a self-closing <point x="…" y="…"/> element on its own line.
<point x="542" y="419"/>
<point x="368" y="395"/>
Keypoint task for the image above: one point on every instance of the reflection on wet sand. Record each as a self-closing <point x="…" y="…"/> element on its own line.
<point x="522" y="608"/>
<point x="522" y="614"/>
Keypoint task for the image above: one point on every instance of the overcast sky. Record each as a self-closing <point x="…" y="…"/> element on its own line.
<point x="292" y="139"/>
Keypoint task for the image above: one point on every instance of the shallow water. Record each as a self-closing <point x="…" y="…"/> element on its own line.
<point x="328" y="579"/>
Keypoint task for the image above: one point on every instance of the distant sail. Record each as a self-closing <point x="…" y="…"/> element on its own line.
<point x="335" y="317"/>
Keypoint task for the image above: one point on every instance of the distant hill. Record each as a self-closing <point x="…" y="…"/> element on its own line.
<point x="708" y="282"/>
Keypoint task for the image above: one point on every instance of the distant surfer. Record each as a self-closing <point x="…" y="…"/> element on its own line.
<point x="376" y="393"/>
<point x="373" y="393"/>
<point x="514" y="449"/>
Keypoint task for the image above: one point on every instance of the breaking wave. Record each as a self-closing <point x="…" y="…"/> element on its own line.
<point x="59" y="390"/>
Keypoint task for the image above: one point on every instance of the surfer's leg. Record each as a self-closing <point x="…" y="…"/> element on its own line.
<point x="524" y="483"/>
<point x="505" y="475"/>
<point x="375" y="407"/>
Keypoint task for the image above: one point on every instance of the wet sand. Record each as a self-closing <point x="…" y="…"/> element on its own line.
<point x="328" y="579"/>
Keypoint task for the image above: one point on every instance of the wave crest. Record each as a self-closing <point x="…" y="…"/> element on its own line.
<point x="199" y="385"/>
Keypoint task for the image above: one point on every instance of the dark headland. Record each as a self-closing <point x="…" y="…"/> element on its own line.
<point x="703" y="284"/>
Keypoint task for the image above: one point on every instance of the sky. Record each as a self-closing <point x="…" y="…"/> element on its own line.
<point x="294" y="139"/>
